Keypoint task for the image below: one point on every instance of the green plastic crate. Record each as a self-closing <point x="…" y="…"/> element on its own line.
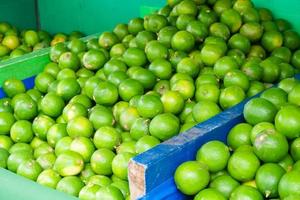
<point x="14" y="187"/>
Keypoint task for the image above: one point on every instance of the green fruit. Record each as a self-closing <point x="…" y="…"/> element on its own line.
<point x="70" y="185"/>
<point x="141" y="39"/>
<point x="144" y="76"/>
<point x="107" y="137"/>
<point x="276" y="96"/>
<point x="239" y="135"/>
<point x="21" y="131"/>
<point x="55" y="133"/>
<point x="259" y="110"/>
<point x="189" y="173"/>
<point x="198" y="29"/>
<point x="295" y="151"/>
<point x="101" y="161"/>
<point x="68" y="88"/>
<point x="107" y="40"/>
<point x="252" y="30"/>
<point x="130" y="88"/>
<point x="77" y="46"/>
<point x="188" y="66"/>
<point x="208" y="194"/>
<point x="289" y="184"/>
<point x="83" y="146"/>
<point x="224" y="65"/>
<point x="41" y="125"/>
<point x="15" y="159"/>
<point x="6" y="122"/>
<point x="12" y="87"/>
<point x="48" y="178"/>
<point x="105" y="93"/>
<point x="219" y="30"/>
<point x="120" y="165"/>
<point x="165" y="35"/>
<point x="20" y="147"/>
<point x="73" y="110"/>
<point x="24" y="106"/>
<point x="232" y="19"/>
<point x="155" y="50"/>
<point x="172" y="102"/>
<point x="29" y="169"/>
<point x="161" y="68"/>
<point x="47" y="160"/>
<point x="183" y="41"/>
<point x="109" y="192"/>
<point x="224" y="184"/>
<point x="164" y="126"/>
<point x="93" y="59"/>
<point x="3" y="157"/>
<point x="134" y="57"/>
<point x="52" y="105"/>
<point x="155" y="22"/>
<point x="246" y="192"/>
<point x="287" y="121"/>
<point x="145" y="143"/>
<point x="183" y="20"/>
<point x="88" y="192"/>
<point x="255" y="88"/>
<point x="204" y="110"/>
<point x="101" y="116"/>
<point x="68" y="163"/>
<point x="267" y="179"/>
<point x="214" y="154"/>
<point x="231" y="96"/>
<point x="80" y="126"/>
<point x="242" y="165"/>
<point x="149" y="106"/>
<point x="5" y="142"/>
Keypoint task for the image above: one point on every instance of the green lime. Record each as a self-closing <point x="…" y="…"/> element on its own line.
<point x="154" y="50"/>
<point x="142" y="38"/>
<point x="107" y="137"/>
<point x="252" y="69"/>
<point x="221" y="6"/>
<point x="257" y="51"/>
<point x="214" y="154"/>
<point x="139" y="128"/>
<point x="185" y="88"/>
<point x="80" y="126"/>
<point x="68" y="88"/>
<point x="63" y="145"/>
<point x="239" y="135"/>
<point x="286" y="71"/>
<point x="135" y="25"/>
<point x="29" y="169"/>
<point x="90" y="86"/>
<point x="296" y="59"/>
<point x="155" y="22"/>
<point x="128" y="117"/>
<point x="161" y="68"/>
<point x="101" y="116"/>
<point x="176" y="56"/>
<point x="130" y="88"/>
<point x="242" y="165"/>
<point x="291" y="39"/>
<point x="68" y="163"/>
<point x="93" y="59"/>
<point x="86" y="173"/>
<point x="231" y="96"/>
<point x="121" y="30"/>
<point x="109" y="192"/>
<point x="289" y="184"/>
<point x="20" y="147"/>
<point x="11" y="41"/>
<point x="41" y="125"/>
<point x="145" y="143"/>
<point x="232" y="19"/>
<point x="204" y="110"/>
<point x="3" y="157"/>
<point x="270" y="146"/>
<point x="209" y="193"/>
<point x="117" y="77"/>
<point x="283" y="53"/>
<point x="219" y="30"/>
<point x="47" y="160"/>
<point x="246" y="192"/>
<point x="35" y="94"/>
<point x="117" y="50"/>
<point x="134" y="57"/>
<point x="224" y="184"/>
<point x="165" y="35"/>
<point x="149" y="106"/>
<point x="120" y="165"/>
<point x="224" y="65"/>
<point x="126" y="147"/>
<point x="105" y="93"/>
<point x="5" y="142"/>
<point x="162" y="86"/>
<point x="7" y="120"/>
<point x="255" y="88"/>
<point x="55" y="133"/>
<point x="68" y="60"/>
<point x="252" y="30"/>
<point x="101" y="161"/>
<point x="236" y="78"/>
<point x="259" y="110"/>
<point x="189" y="173"/>
<point x="21" y="131"/>
<point x="17" y="158"/>
<point x="77" y="46"/>
<point x="238" y="41"/>
<point x="146" y="77"/>
<point x="82" y="99"/>
<point x="83" y="146"/>
<point x="100" y="180"/>
<point x="12" y="87"/>
<point x="198" y="29"/>
<point x="276" y="96"/>
<point x="295" y="150"/>
<point x="164" y="126"/>
<point x="118" y="108"/>
<point x="207" y="16"/>
<point x="88" y="192"/>
<point x="207" y="92"/>
<point x="114" y="65"/>
<point x="272" y="40"/>
<point x="287" y="163"/>
<point x="70" y="185"/>
<point x="48" y="178"/>
<point x="188" y="66"/>
<point x="24" y="106"/>
<point x="52" y="105"/>
<point x="287" y="121"/>
<point x="187" y="110"/>
<point x="183" y="41"/>
<point x="73" y="110"/>
<point x="183" y="20"/>
<point x="267" y="179"/>
<point x="293" y="96"/>
<point x="42" y="149"/>
<point x="5" y="105"/>
<point x="172" y="102"/>
<point x="107" y="40"/>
